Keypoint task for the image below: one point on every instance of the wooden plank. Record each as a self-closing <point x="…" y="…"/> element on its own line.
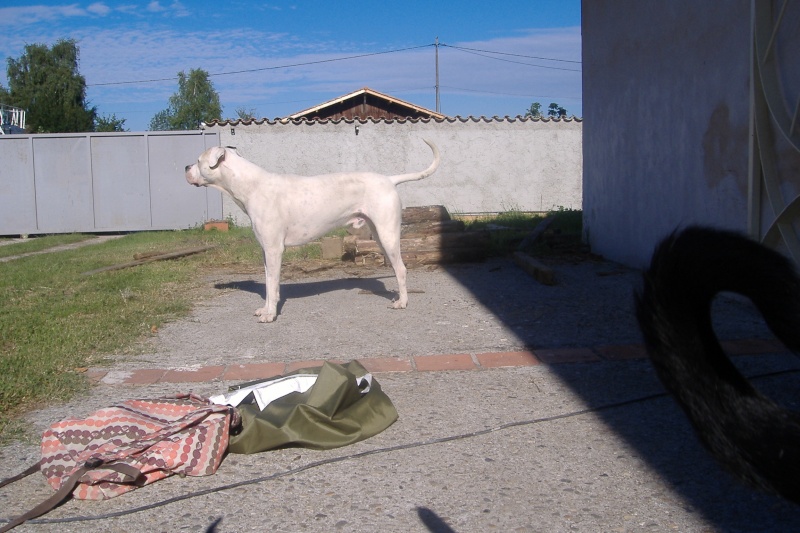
<point x="430" y="257"/>
<point x="537" y="270"/>
<point x="150" y="259"/>
<point x="419" y="229"/>
<point x="429" y="213"/>
<point x="443" y="241"/>
<point x="536" y="234"/>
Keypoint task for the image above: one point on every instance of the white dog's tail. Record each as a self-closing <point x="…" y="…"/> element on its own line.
<point x="752" y="436"/>
<point x="419" y="175"/>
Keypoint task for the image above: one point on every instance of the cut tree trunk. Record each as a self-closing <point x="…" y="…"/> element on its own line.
<point x="428" y="213"/>
<point x="428" y="236"/>
<point x="419" y="229"/>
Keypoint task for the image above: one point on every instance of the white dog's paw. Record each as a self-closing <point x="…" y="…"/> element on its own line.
<point x="264" y="315"/>
<point x="397" y="304"/>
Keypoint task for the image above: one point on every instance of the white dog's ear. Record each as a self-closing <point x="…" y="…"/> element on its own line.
<point x="216" y="156"/>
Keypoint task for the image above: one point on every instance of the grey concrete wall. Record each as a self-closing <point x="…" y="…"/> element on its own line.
<point x="488" y="165"/>
<point x="102" y="182"/>
<point x="665" y="99"/>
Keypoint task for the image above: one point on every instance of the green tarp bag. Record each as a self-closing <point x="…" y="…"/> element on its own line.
<point x="330" y="406"/>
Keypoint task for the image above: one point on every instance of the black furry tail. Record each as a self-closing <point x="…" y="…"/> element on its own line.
<point x="750" y="435"/>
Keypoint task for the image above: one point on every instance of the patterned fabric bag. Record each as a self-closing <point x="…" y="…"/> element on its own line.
<point x="129" y="445"/>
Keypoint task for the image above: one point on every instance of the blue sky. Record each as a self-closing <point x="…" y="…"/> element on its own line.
<point x="519" y="52"/>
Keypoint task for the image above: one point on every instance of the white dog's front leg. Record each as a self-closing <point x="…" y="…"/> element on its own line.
<point x="272" y="271"/>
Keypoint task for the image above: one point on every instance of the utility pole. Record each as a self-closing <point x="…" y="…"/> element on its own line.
<point x="438" y="104"/>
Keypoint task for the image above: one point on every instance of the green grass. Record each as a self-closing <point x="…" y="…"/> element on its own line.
<point x="35" y="244"/>
<point x="54" y="321"/>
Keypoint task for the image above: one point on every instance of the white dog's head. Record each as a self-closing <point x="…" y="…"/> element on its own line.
<point x="207" y="169"/>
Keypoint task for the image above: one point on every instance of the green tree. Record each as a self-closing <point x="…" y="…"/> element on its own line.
<point x="246" y="114"/>
<point x="196" y="101"/>
<point x="110" y="123"/>
<point x="534" y="111"/>
<point x="555" y="110"/>
<point x="46" y="82"/>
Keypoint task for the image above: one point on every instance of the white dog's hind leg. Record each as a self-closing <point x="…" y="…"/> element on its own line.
<point x="391" y="249"/>
<point x="400" y="273"/>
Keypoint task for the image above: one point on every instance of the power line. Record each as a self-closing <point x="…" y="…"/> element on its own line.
<point x="470" y="51"/>
<point x="507" y="94"/>
<point x="247" y="71"/>
<point x="474" y="51"/>
<point x="514" y="55"/>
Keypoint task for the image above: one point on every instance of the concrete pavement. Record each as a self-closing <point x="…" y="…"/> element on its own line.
<point x="524" y="426"/>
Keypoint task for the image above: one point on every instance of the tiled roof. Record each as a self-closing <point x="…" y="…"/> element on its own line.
<point x="248" y="122"/>
<point x="370" y="92"/>
<point x="301" y="116"/>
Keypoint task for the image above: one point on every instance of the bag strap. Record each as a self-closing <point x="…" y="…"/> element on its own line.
<point x="33" y="468"/>
<point x="64" y="491"/>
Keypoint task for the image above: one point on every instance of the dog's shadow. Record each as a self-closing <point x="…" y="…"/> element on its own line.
<point x="295" y="290"/>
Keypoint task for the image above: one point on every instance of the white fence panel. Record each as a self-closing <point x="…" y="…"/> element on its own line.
<point x="103" y="182"/>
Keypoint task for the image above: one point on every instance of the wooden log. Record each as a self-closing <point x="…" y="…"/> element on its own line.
<point x="442" y="257"/>
<point x="535" y="269"/>
<point x="422" y="258"/>
<point x="430" y="213"/>
<point x="443" y="241"/>
<point x="536" y="234"/>
<point x="145" y="255"/>
<point x="419" y="229"/>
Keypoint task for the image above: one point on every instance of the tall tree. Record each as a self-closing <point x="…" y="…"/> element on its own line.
<point x="46" y="82"/>
<point x="196" y="101"/>
<point x="110" y="123"/>
<point x="553" y="110"/>
<point x="535" y="110"/>
<point x="246" y="114"/>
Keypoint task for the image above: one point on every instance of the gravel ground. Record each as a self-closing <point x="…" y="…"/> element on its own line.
<point x="448" y="463"/>
<point x="470" y="308"/>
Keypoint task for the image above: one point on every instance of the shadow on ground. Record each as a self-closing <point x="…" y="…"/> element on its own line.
<point x="311" y="288"/>
<point x="655" y="428"/>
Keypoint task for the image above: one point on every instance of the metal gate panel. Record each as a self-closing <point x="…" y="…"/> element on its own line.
<point x="97" y="182"/>
<point x="63" y="184"/>
<point x="121" y="185"/>
<point x="17" y="190"/>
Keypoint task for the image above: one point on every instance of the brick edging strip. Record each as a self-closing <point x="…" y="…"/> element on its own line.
<point x="418" y="363"/>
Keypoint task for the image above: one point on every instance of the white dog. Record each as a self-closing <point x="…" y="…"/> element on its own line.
<point x="289" y="210"/>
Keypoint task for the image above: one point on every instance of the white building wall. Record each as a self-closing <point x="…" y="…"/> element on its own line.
<point x="666" y="111"/>
<point x="488" y="165"/>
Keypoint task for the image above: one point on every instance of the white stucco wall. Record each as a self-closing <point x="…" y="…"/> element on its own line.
<point x="665" y="99"/>
<point x="488" y="165"/>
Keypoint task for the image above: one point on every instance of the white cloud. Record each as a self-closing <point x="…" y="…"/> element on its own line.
<point x="99" y="8"/>
<point x="25" y="15"/>
<point x="179" y="9"/>
<point x="155" y="7"/>
<point x="176" y="8"/>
